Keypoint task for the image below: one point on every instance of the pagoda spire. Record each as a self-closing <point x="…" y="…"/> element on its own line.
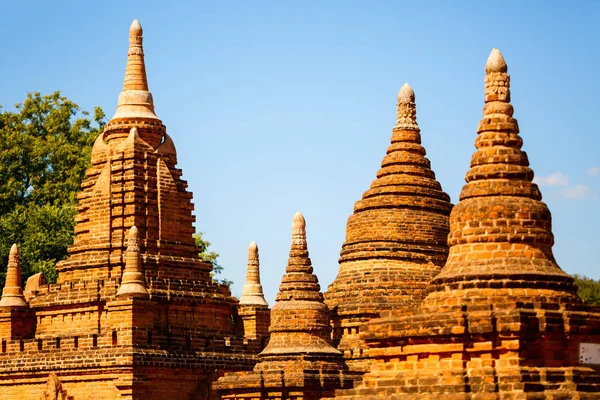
<point x="300" y="360"/>
<point x="135" y="101"/>
<point x="133" y="282"/>
<point x="501" y="230"/>
<point x="252" y="292"/>
<point x="299" y="282"/>
<point x="395" y="239"/>
<point x="299" y="318"/>
<point x="12" y="294"/>
<point x="406" y="116"/>
<point x="501" y="311"/>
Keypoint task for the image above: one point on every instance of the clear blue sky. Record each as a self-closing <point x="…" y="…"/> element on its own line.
<point x="277" y="107"/>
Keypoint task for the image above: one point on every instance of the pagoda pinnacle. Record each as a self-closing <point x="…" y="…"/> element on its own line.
<point x="406" y="94"/>
<point x="299" y="282"/>
<point x="12" y="294"/>
<point x="395" y="239"/>
<point x="135" y="101"/>
<point x="299" y="232"/>
<point x="252" y="292"/>
<point x="133" y="282"/>
<point x="495" y="62"/>
<point x="517" y="251"/>
<point x="299" y="318"/>
<point x="406" y="117"/>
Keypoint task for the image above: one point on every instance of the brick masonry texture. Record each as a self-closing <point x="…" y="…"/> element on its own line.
<point x="395" y="239"/>
<point x="299" y="362"/>
<point x="135" y="313"/>
<point x="502" y="320"/>
<point x="430" y="302"/>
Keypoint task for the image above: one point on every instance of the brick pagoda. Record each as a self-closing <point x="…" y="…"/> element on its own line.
<point x="135" y="313"/>
<point x="395" y="240"/>
<point x="299" y="363"/>
<point x="254" y="309"/>
<point x="503" y="321"/>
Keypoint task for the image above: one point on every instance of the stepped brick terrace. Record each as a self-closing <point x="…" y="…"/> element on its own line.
<point x="430" y="302"/>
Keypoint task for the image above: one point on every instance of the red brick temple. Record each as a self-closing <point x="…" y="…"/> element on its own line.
<point x="430" y="302"/>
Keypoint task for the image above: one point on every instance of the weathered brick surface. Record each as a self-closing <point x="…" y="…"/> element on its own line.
<point x="299" y="362"/>
<point x="395" y="240"/>
<point x="137" y="320"/>
<point x="502" y="321"/>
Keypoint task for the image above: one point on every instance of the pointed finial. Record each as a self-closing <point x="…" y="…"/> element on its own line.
<point x="135" y="100"/>
<point x="252" y="292"/>
<point x="406" y="94"/>
<point x="136" y="29"/>
<point x="495" y="62"/>
<point x="253" y="250"/>
<point x="12" y="294"/>
<point x="133" y="283"/>
<point x="299" y="223"/>
<point x="497" y="85"/>
<point x="299" y="231"/>
<point x="406" y="115"/>
<point x="13" y="256"/>
<point x="132" y="239"/>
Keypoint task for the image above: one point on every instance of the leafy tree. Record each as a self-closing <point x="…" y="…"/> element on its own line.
<point x="45" y="146"/>
<point x="589" y="289"/>
<point x="211" y="257"/>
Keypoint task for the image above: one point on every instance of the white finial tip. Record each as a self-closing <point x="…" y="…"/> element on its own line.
<point x="406" y="94"/>
<point x="299" y="221"/>
<point x="135" y="29"/>
<point x="14" y="250"/>
<point x="133" y="232"/>
<point x="495" y="62"/>
<point x="253" y="246"/>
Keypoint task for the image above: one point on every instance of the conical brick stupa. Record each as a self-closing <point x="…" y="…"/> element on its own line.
<point x="299" y="362"/>
<point x="395" y="239"/>
<point x="503" y="321"/>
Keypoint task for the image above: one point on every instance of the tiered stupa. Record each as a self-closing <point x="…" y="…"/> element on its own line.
<point x="135" y="313"/>
<point x="12" y="294"/>
<point x="395" y="240"/>
<point x="299" y="362"/>
<point x="254" y="309"/>
<point x="503" y="321"/>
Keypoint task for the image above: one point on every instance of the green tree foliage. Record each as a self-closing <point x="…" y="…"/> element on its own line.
<point x="45" y="146"/>
<point x="589" y="289"/>
<point x="210" y="256"/>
